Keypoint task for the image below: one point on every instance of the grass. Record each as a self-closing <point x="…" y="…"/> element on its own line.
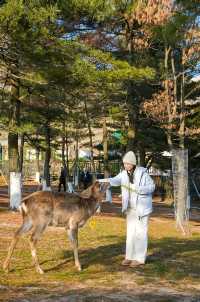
<point x="101" y="249"/>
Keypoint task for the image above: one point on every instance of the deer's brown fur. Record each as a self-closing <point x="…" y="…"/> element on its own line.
<point x="63" y="209"/>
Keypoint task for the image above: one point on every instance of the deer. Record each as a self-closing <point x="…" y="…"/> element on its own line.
<point x="69" y="210"/>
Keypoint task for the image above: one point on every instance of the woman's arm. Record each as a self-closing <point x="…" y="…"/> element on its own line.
<point x="113" y="181"/>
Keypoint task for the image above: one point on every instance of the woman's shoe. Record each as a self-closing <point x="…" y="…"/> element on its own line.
<point x="126" y="262"/>
<point x="135" y="263"/>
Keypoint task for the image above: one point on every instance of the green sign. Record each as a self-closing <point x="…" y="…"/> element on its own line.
<point x="117" y="134"/>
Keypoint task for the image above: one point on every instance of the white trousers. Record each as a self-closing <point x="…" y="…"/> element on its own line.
<point x="136" y="236"/>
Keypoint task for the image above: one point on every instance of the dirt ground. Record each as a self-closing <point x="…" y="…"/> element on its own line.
<point x="126" y="290"/>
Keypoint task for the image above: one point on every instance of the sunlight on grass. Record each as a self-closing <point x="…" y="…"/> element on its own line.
<point x="101" y="248"/>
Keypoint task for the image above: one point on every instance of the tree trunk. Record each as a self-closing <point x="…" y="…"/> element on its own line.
<point x="67" y="155"/>
<point x="182" y="112"/>
<point x="90" y="136"/>
<point x="105" y="149"/>
<point x="13" y="153"/>
<point x="169" y="105"/>
<point x="141" y="155"/>
<point x="63" y="144"/>
<point x="21" y="153"/>
<point x="76" y="166"/>
<point x="132" y="116"/>
<point x="37" y="175"/>
<point x="180" y="156"/>
<point x="131" y="101"/>
<point x="47" y="157"/>
<point x="180" y="182"/>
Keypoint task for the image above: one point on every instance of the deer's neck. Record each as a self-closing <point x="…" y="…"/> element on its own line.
<point x="93" y="205"/>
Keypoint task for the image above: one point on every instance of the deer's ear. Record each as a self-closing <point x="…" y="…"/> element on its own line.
<point x="87" y="193"/>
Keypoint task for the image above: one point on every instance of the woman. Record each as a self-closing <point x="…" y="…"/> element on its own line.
<point x="137" y="188"/>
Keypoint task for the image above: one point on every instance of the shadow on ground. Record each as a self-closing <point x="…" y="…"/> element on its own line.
<point x="170" y="259"/>
<point x="99" y="295"/>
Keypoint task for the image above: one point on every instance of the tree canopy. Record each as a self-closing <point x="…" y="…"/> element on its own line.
<point x="65" y="64"/>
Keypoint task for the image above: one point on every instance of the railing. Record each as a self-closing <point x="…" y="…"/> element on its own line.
<point x="164" y="186"/>
<point x="30" y="167"/>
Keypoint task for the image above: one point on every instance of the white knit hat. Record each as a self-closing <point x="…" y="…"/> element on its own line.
<point x="130" y="158"/>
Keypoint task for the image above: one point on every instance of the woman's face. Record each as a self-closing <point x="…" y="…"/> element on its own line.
<point x="128" y="167"/>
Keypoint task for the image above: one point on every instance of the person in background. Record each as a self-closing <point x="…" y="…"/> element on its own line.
<point x="62" y="179"/>
<point x="85" y="178"/>
<point x="137" y="188"/>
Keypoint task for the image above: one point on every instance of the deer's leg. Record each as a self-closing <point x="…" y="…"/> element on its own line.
<point x="73" y="237"/>
<point x="25" y="227"/>
<point x="39" y="229"/>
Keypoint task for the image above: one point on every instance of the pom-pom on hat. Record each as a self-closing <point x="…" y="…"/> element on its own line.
<point x="130" y="158"/>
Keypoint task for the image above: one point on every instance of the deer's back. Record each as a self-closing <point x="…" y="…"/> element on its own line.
<point x="58" y="208"/>
<point x="38" y="205"/>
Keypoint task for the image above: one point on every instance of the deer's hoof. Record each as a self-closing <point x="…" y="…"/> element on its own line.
<point x="5" y="268"/>
<point x="39" y="270"/>
<point x="79" y="268"/>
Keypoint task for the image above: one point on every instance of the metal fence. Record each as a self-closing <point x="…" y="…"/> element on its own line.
<point x="164" y="184"/>
<point x="30" y="167"/>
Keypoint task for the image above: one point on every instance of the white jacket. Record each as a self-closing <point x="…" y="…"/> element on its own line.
<point x="144" y="187"/>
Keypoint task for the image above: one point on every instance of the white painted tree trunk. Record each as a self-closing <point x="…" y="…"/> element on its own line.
<point x="70" y="187"/>
<point x="109" y="195"/>
<point x="44" y="186"/>
<point x="15" y="189"/>
<point x="37" y="176"/>
<point x="76" y="180"/>
<point x="181" y="194"/>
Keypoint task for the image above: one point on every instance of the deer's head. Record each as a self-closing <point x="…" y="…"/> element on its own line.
<point x="96" y="190"/>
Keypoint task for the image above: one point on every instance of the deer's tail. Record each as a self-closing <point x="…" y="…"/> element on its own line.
<point x="23" y="207"/>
